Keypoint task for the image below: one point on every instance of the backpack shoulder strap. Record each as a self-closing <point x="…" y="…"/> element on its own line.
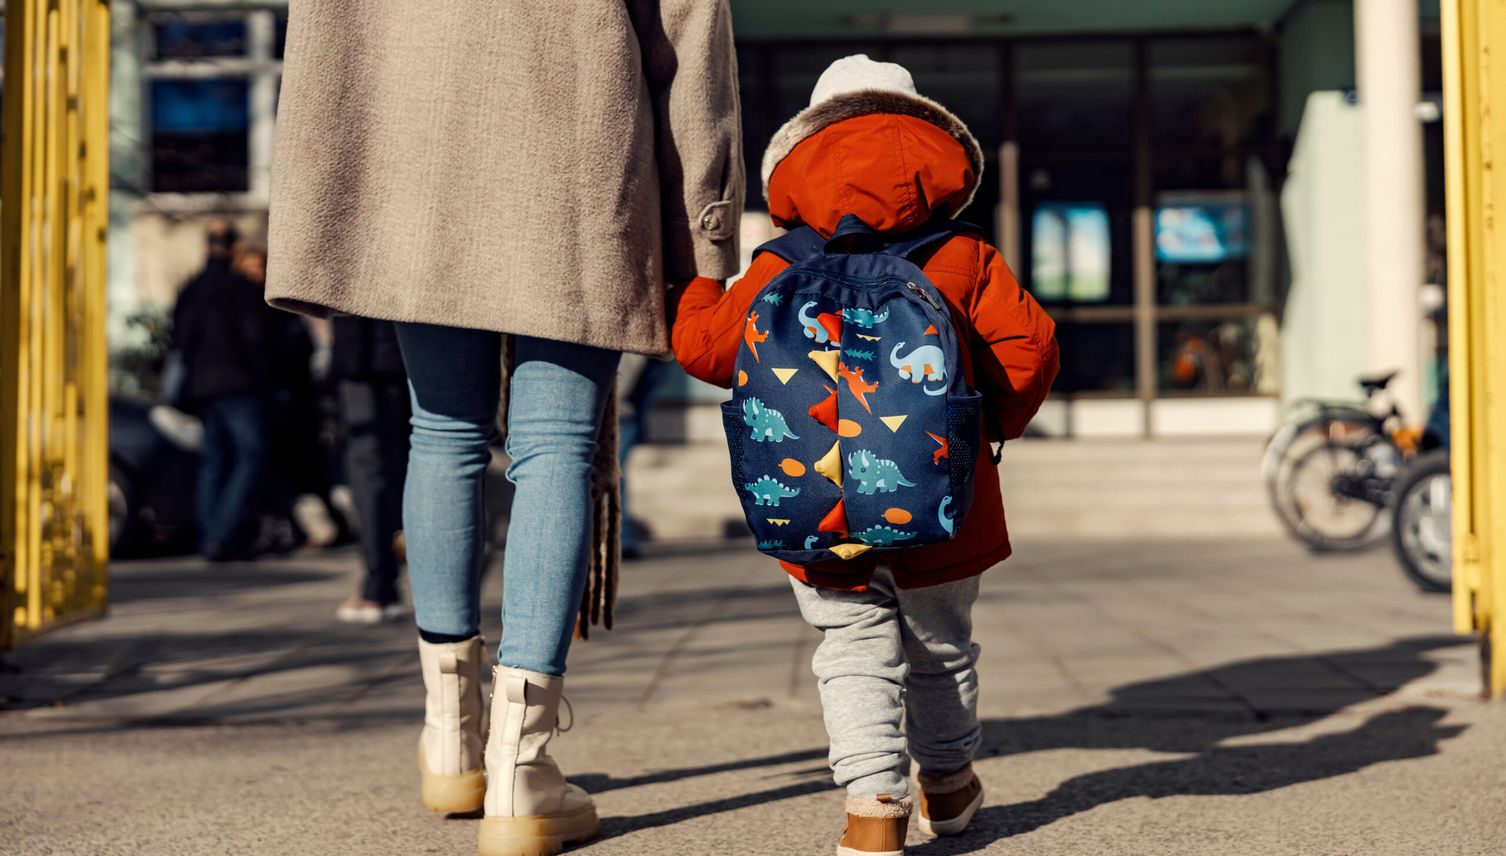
<point x="928" y="237"/>
<point x="794" y="246"/>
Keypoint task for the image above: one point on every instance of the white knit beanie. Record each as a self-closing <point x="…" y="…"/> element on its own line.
<point x="857" y="86"/>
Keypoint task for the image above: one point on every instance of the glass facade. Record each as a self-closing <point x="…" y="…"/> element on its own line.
<point x="1136" y="195"/>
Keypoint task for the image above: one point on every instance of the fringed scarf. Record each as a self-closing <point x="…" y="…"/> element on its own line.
<point x="600" y="597"/>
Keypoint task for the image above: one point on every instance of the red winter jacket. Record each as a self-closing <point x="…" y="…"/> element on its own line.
<point x="893" y="171"/>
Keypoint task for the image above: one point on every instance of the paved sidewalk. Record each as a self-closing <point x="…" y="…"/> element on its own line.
<point x="1210" y="697"/>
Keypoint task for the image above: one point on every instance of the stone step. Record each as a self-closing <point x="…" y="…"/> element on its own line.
<point x="1081" y="489"/>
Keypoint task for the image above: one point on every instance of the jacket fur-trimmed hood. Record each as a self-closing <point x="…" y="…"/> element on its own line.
<point x="851" y="105"/>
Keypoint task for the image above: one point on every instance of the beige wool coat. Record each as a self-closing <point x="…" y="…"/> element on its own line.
<point x="541" y="168"/>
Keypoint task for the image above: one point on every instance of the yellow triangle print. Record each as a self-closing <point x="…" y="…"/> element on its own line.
<point x="848" y="551"/>
<point x="784" y="375"/>
<point x="779" y="521"/>
<point x="830" y="464"/>
<point x="893" y="421"/>
<point x="827" y="360"/>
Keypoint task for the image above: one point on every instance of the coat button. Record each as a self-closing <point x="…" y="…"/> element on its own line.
<point x="708" y="221"/>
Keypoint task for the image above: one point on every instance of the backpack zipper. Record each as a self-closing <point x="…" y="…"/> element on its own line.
<point x="924" y="295"/>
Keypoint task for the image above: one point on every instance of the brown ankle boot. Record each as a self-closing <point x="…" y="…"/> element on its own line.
<point x="875" y="827"/>
<point x="948" y="802"/>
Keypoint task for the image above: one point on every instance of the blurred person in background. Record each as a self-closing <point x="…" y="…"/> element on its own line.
<point x="547" y="194"/>
<point x="294" y="505"/>
<point x="639" y="380"/>
<point x="366" y="367"/>
<point x="225" y="333"/>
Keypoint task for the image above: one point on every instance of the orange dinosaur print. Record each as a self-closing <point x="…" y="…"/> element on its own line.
<point x="752" y="337"/>
<point x="856" y="385"/>
<point x="943" y="452"/>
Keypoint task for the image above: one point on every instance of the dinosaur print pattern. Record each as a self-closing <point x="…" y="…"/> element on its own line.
<point x="768" y="424"/>
<point x="773" y="298"/>
<point x="864" y="317"/>
<point x="875" y="474"/>
<point x="770" y="491"/>
<point x="752" y="338"/>
<point x="825" y="328"/>
<point x="771" y="544"/>
<point x="866" y="356"/>
<point x="942" y="517"/>
<point x="856" y="385"/>
<point x="882" y="536"/>
<point x="925" y="363"/>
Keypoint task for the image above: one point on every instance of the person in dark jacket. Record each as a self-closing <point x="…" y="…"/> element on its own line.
<point x="366" y="367"/>
<point x="223" y="330"/>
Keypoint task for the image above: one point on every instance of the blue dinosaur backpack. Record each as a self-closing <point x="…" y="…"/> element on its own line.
<point x="851" y="426"/>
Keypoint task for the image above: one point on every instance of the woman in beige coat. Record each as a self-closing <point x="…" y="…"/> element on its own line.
<point x="468" y="170"/>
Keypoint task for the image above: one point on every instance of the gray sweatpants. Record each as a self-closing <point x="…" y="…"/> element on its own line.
<point x="887" y="655"/>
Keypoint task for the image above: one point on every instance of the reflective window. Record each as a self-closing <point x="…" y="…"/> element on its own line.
<point x="199" y="139"/>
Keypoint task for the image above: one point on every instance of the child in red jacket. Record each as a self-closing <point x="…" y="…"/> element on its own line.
<point x="897" y="632"/>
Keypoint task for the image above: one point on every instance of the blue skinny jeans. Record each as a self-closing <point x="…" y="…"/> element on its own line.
<point x="556" y="399"/>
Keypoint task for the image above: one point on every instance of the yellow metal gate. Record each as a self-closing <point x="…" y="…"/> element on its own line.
<point x="54" y="461"/>
<point x="1474" y="71"/>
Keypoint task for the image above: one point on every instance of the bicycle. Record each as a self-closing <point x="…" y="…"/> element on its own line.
<point x="1331" y="471"/>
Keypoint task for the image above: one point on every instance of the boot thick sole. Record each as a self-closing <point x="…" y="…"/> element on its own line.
<point x="536" y="834"/>
<point x="952" y="826"/>
<point x="460" y="794"/>
<point x="848" y="851"/>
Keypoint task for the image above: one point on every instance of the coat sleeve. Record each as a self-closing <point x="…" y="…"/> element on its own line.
<point x="691" y="69"/>
<point x="1016" y="357"/>
<point x="708" y="322"/>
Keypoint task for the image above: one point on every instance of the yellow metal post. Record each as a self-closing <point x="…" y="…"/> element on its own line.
<point x="1474" y="60"/>
<point x="54" y="181"/>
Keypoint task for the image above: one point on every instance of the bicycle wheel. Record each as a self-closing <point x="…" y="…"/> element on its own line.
<point x="1315" y="512"/>
<point x="1291" y="444"/>
<point x="1422" y="525"/>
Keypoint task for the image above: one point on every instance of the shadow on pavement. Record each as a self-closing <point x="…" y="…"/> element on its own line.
<point x="1412" y="732"/>
<point x="1145" y="715"/>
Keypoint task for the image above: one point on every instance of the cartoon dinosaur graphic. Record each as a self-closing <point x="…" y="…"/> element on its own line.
<point x="864" y="317"/>
<point x="941" y="516"/>
<point x="944" y="452"/>
<point x="768" y="491"/>
<point x="856" y="385"/>
<point x="810" y="541"/>
<point x="752" y="337"/>
<point x="860" y="354"/>
<point x="882" y="536"/>
<point x="875" y="474"/>
<point x="774" y="298"/>
<point x="925" y="363"/>
<point x="825" y="328"/>
<point x="767" y="424"/>
<point x="770" y="544"/>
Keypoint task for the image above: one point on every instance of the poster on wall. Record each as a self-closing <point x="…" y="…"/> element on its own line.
<point x="1069" y="253"/>
<point x="1202" y="228"/>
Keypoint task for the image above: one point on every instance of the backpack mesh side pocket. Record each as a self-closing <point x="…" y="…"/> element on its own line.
<point x="732" y="424"/>
<point x="963" y="413"/>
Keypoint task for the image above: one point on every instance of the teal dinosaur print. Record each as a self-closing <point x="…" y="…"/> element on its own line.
<point x="946" y="520"/>
<point x="767" y="424"/>
<point x="882" y="536"/>
<point x="774" y="298"/>
<point x="860" y="354"/>
<point x="810" y="541"/>
<point x="770" y="544"/>
<point x="768" y="491"/>
<point x="875" y="474"/>
<point x="864" y="317"/>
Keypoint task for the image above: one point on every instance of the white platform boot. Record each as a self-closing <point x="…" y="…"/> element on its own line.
<point x="530" y="809"/>
<point x="450" y="746"/>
